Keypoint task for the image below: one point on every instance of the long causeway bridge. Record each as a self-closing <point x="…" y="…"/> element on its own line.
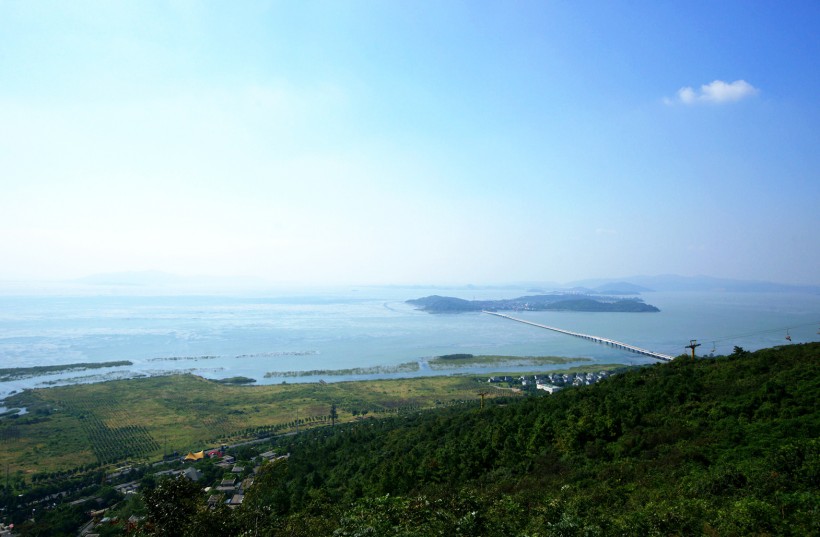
<point x="596" y="339"/>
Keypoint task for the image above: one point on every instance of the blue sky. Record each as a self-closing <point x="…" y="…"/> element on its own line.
<point x="410" y="142"/>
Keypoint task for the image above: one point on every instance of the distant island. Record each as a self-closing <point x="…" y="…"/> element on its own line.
<point x="551" y="302"/>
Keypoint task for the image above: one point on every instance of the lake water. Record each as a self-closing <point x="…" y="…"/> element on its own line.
<point x="225" y="336"/>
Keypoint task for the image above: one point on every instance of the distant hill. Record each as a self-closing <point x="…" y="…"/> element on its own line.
<point x="621" y="288"/>
<point x="672" y="282"/>
<point x="134" y="278"/>
<point x="155" y="279"/>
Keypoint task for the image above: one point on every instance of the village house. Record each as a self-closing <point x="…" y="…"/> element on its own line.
<point x="549" y="388"/>
<point x="192" y="473"/>
<point x="228" y="485"/>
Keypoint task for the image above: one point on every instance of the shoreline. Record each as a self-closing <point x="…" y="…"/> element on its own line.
<point x="104" y="423"/>
<point x="516" y="365"/>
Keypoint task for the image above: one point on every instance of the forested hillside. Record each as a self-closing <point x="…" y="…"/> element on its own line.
<point x="554" y="302"/>
<point x="725" y="446"/>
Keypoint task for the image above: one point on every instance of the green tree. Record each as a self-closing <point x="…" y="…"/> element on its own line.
<point x="333" y="414"/>
<point x="172" y="506"/>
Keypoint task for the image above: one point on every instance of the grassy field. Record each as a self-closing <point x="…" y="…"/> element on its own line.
<point x="76" y="428"/>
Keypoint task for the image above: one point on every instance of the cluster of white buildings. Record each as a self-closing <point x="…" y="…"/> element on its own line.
<point x="553" y="382"/>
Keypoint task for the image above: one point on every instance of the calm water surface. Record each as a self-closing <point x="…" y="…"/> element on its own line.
<point x="219" y="336"/>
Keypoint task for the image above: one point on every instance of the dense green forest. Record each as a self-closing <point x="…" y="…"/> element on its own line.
<point x="725" y="446"/>
<point x="720" y="447"/>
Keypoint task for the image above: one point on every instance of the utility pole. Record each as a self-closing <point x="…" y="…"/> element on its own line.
<point x="692" y="344"/>
<point x="482" y="394"/>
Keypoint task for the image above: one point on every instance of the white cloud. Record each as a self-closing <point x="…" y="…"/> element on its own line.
<point x="717" y="92"/>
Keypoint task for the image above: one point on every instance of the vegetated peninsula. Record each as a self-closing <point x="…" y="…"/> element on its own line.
<point x="17" y="373"/>
<point x="551" y="302"/>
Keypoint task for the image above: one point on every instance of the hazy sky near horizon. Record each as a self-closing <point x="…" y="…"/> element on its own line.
<point x="410" y="142"/>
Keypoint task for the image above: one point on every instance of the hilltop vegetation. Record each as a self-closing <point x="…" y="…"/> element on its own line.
<point x="725" y="446"/>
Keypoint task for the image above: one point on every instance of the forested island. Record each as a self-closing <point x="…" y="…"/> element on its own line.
<point x="551" y="302"/>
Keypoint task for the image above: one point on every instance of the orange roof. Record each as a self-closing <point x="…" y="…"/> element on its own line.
<point x="195" y="456"/>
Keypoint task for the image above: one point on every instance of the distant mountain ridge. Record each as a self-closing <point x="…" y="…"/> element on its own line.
<point x="160" y="279"/>
<point x="632" y="285"/>
<point x="622" y="288"/>
<point x="135" y="278"/>
<point x="673" y="282"/>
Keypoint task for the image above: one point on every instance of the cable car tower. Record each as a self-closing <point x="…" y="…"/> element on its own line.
<point x="692" y="344"/>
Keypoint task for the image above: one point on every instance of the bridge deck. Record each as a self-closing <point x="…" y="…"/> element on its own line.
<point x="596" y="339"/>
